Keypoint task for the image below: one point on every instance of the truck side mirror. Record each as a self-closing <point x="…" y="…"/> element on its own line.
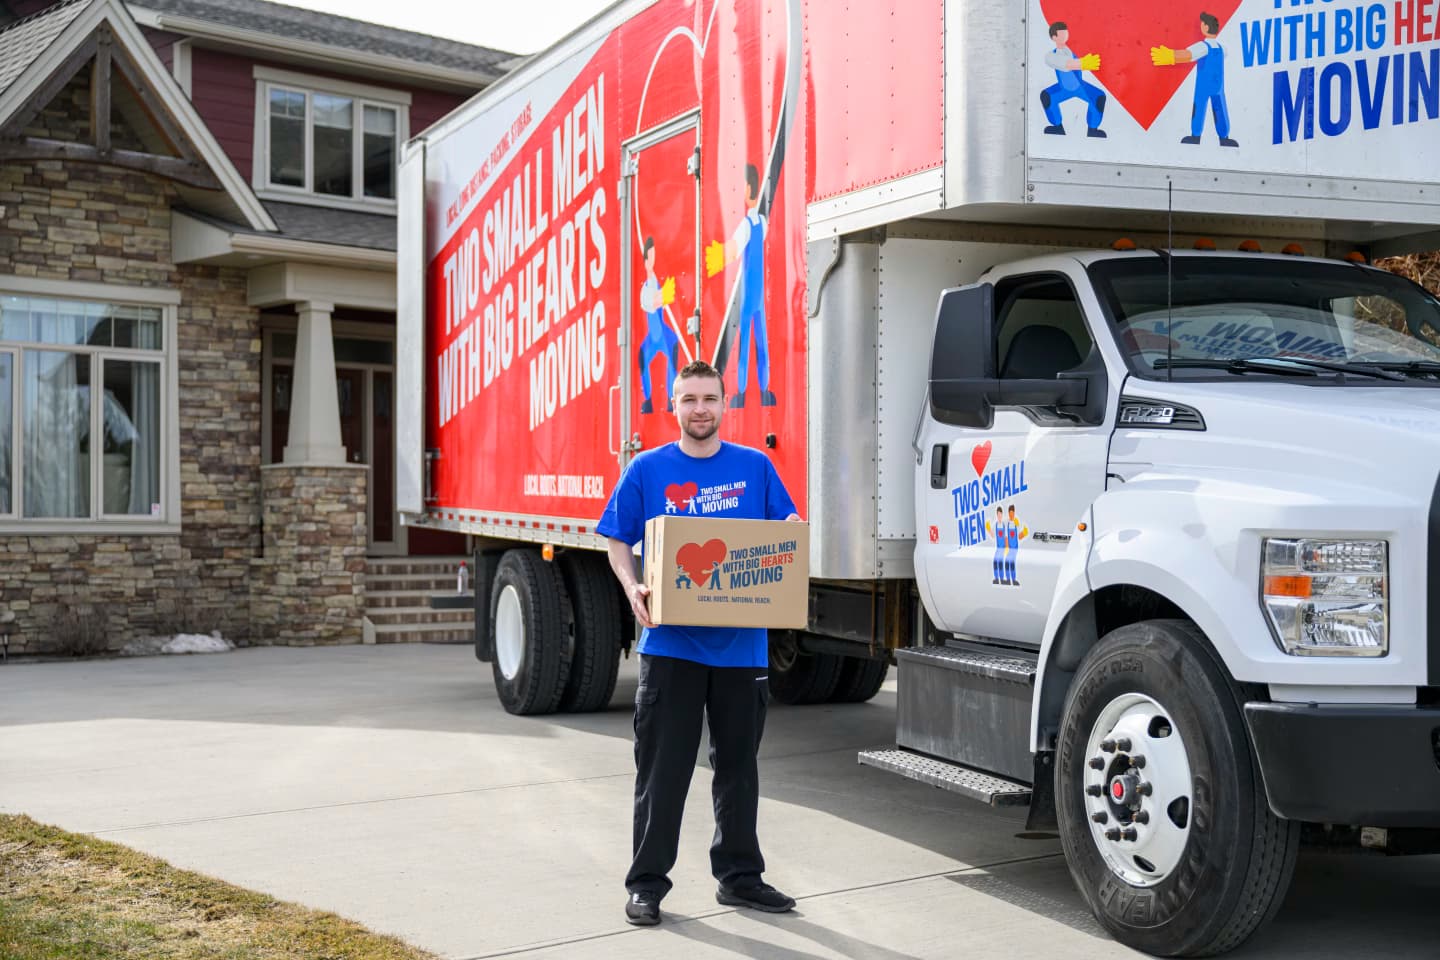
<point x="962" y="359"/>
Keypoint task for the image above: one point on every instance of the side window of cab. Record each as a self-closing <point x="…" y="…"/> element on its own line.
<point x="1040" y="329"/>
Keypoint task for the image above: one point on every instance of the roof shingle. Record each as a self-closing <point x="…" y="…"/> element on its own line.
<point x="281" y="20"/>
<point x="24" y="40"/>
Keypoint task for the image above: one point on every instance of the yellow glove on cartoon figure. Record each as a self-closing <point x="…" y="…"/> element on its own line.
<point x="1090" y="62"/>
<point x="1162" y="56"/>
<point x="714" y="258"/>
<point x="667" y="292"/>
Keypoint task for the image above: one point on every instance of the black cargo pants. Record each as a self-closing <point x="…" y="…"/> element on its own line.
<point x="669" y="703"/>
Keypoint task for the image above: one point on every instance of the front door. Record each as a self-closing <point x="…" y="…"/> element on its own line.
<point x="661" y="295"/>
<point x="1000" y="523"/>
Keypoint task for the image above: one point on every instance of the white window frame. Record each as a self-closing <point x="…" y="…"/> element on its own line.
<point x="167" y="301"/>
<point x="363" y="95"/>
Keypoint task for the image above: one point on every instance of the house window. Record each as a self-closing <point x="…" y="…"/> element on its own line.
<point x="84" y="410"/>
<point x="340" y="143"/>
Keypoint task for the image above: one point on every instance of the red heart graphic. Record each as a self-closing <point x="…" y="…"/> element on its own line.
<point x="680" y="493"/>
<point x="1122" y="33"/>
<point x="979" y="457"/>
<point x="698" y="561"/>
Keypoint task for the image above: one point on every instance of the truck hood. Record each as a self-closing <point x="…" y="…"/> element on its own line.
<point x="1383" y="439"/>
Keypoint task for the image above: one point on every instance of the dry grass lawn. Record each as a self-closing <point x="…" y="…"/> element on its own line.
<point x="70" y="896"/>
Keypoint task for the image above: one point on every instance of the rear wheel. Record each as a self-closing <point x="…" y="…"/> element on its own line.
<point x="1161" y="807"/>
<point x="598" y="627"/>
<point x="797" y="677"/>
<point x="860" y="679"/>
<point x="532" y="658"/>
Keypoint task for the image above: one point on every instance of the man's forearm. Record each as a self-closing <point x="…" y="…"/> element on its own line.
<point x="622" y="561"/>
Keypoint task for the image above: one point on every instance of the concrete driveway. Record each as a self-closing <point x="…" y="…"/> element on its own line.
<point x="386" y="784"/>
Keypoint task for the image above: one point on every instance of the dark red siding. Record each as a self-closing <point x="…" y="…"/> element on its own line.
<point x="222" y="88"/>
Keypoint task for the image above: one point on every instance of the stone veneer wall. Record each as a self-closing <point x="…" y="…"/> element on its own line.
<point x="309" y="587"/>
<point x="70" y="221"/>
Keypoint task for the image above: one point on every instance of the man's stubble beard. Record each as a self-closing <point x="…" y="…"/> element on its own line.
<point x="699" y="437"/>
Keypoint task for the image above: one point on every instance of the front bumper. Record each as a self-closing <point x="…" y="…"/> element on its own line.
<point x="1364" y="765"/>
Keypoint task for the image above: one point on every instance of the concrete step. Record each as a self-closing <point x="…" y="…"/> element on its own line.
<point x="418" y="583"/>
<point x="388" y="566"/>
<point x="422" y="633"/>
<point x="418" y="616"/>
<point x="412" y="598"/>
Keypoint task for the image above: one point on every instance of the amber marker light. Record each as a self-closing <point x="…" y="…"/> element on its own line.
<point x="1293" y="250"/>
<point x="1124" y="243"/>
<point x="1279" y="586"/>
<point x="1082" y="528"/>
<point x="1355" y="256"/>
<point x="1204" y="243"/>
<point x="548" y="551"/>
<point x="1249" y="246"/>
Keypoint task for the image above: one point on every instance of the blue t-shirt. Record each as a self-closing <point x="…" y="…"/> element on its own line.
<point x="735" y="482"/>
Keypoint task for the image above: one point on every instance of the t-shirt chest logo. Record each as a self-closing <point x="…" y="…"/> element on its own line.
<point x="678" y="497"/>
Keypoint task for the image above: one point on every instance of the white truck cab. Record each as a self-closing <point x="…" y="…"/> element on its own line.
<point x="1176" y="513"/>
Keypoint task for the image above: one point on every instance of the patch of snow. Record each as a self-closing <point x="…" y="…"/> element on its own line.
<point x="179" y="643"/>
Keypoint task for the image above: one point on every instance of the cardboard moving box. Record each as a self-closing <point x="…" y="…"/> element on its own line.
<point x="713" y="572"/>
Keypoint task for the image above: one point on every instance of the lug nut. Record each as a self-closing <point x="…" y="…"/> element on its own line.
<point x="1094" y="790"/>
<point x="1138" y="761"/>
<point x="1145" y="789"/>
<point x="1097" y="764"/>
<point x="1112" y="834"/>
<point x="1142" y="816"/>
<point x="1107" y="745"/>
<point x="1128" y="834"/>
<point x="1101" y="817"/>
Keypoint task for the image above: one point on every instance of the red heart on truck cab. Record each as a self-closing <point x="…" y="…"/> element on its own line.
<point x="697" y="560"/>
<point x="979" y="457"/>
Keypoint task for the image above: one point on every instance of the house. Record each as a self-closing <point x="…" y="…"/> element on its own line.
<point x="197" y="276"/>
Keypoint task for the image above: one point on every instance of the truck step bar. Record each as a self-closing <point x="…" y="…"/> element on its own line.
<point x="1012" y="666"/>
<point x="996" y="791"/>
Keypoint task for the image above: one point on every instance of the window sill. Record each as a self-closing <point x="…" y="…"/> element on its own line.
<point x="87" y="528"/>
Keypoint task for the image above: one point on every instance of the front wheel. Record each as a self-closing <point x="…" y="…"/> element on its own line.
<point x="1162" y="810"/>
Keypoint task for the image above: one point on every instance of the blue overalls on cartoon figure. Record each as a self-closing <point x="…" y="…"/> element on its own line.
<point x="1069" y="86"/>
<point x="1012" y="537"/>
<point x="659" y="339"/>
<point x="715" y="577"/>
<point x="1210" y="90"/>
<point x="998" y="532"/>
<point x="752" y="305"/>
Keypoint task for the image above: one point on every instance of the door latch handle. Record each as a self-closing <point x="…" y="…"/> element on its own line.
<point x="939" y="466"/>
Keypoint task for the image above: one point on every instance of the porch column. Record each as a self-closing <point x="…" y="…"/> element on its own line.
<point x="314" y="405"/>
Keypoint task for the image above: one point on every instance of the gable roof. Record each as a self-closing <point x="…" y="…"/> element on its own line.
<point x="43" y="44"/>
<point x="307" y="30"/>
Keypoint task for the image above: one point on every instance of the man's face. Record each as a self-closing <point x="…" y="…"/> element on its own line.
<point x="650" y="259"/>
<point x="1062" y="37"/>
<point x="699" y="404"/>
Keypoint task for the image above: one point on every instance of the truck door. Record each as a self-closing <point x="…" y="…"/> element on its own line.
<point x="660" y="298"/>
<point x="1003" y="502"/>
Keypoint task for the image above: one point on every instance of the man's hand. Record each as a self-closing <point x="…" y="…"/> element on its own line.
<point x="714" y="258"/>
<point x="794" y="516"/>
<point x="1162" y="56"/>
<point x="667" y="292"/>
<point x="639" y="596"/>
<point x="1090" y="62"/>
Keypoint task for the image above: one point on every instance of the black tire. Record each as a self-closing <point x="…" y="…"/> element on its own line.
<point x="532" y="634"/>
<point x="797" y="677"/>
<point x="860" y="679"/>
<point x="1236" y="862"/>
<point x="597" y="625"/>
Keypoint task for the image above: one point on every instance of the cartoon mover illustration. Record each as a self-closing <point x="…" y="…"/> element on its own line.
<point x="1209" y="57"/>
<point x="1070" y="85"/>
<point x="659" y="338"/>
<point x="1008" y="532"/>
<point x="747" y="244"/>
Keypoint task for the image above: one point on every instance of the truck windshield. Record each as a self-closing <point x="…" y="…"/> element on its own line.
<point x="1213" y="310"/>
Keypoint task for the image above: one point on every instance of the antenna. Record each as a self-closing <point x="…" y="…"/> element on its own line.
<point x="1169" y="278"/>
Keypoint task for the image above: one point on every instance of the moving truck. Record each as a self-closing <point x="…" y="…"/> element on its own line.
<point x="1057" y="320"/>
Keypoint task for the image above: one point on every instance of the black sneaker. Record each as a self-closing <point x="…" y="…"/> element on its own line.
<point x="761" y="896"/>
<point x="642" y="909"/>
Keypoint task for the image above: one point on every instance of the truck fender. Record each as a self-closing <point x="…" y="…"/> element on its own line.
<point x="1120" y="558"/>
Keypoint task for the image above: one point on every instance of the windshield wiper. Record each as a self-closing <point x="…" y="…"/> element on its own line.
<point x="1292" y="366"/>
<point x="1231" y="364"/>
<point x="1407" y="367"/>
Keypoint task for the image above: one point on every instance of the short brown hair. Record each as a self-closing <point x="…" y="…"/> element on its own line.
<point x="699" y="368"/>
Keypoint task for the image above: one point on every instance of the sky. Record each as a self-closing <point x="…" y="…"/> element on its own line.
<point x="519" y="26"/>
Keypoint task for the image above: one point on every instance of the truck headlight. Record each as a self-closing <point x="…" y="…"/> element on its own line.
<point x="1327" y="598"/>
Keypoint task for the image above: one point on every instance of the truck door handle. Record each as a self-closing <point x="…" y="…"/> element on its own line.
<point x="939" y="466"/>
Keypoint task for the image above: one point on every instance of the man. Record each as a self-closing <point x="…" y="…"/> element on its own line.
<point x="748" y="246"/>
<point x="686" y="671"/>
<point x="1014" y="533"/>
<point x="999" y="532"/>
<point x="1209" y="79"/>
<point x="1070" y="85"/>
<point x="659" y="338"/>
